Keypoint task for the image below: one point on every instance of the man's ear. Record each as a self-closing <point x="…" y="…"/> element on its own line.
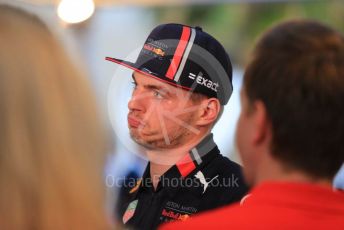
<point x="261" y="122"/>
<point x="208" y="111"/>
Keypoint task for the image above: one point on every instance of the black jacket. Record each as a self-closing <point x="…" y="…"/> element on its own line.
<point x="202" y="180"/>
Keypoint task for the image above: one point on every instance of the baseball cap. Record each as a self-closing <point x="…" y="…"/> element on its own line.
<point x="186" y="57"/>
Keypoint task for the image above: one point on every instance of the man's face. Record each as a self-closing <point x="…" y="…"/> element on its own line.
<point x="160" y="115"/>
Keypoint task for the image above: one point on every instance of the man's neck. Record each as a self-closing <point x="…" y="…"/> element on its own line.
<point x="274" y="171"/>
<point x="163" y="160"/>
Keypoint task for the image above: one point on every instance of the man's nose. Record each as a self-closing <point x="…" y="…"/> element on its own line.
<point x="137" y="101"/>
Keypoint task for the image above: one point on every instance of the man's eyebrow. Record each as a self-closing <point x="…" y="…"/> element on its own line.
<point x="154" y="87"/>
<point x="157" y="87"/>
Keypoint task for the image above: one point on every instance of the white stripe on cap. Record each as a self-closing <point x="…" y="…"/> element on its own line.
<point x="186" y="54"/>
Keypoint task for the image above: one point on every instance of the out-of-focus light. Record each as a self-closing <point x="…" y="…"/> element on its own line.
<point x="75" y="11"/>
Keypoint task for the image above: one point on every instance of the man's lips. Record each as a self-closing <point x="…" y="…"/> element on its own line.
<point x="133" y="123"/>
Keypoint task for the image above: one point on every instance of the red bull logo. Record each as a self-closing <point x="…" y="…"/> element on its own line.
<point x="154" y="50"/>
<point x="175" y="215"/>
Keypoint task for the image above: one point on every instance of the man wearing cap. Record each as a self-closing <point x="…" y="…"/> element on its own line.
<point x="290" y="133"/>
<point x="182" y="79"/>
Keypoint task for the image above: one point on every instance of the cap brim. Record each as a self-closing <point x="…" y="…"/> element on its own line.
<point x="133" y="66"/>
<point x="127" y="64"/>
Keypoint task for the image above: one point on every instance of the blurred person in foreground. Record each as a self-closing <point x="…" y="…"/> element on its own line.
<point x="51" y="140"/>
<point x="290" y="133"/>
<point x="182" y="81"/>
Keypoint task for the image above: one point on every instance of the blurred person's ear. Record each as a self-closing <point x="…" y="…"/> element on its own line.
<point x="208" y="111"/>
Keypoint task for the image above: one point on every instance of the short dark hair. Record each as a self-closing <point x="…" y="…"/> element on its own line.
<point x="197" y="97"/>
<point x="297" y="71"/>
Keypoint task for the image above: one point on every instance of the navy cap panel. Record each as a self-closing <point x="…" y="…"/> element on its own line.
<point x="216" y="49"/>
<point x="159" y="49"/>
<point x="156" y="55"/>
<point x="204" y="74"/>
<point x="198" y="79"/>
<point x="166" y="32"/>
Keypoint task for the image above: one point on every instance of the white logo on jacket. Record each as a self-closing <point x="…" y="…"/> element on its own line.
<point x="199" y="175"/>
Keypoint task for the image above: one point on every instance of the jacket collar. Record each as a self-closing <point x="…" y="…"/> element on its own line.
<point x="193" y="161"/>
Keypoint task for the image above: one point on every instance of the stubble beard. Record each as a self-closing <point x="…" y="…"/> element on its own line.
<point x="176" y="139"/>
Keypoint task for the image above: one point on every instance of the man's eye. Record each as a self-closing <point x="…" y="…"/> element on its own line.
<point x="157" y="94"/>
